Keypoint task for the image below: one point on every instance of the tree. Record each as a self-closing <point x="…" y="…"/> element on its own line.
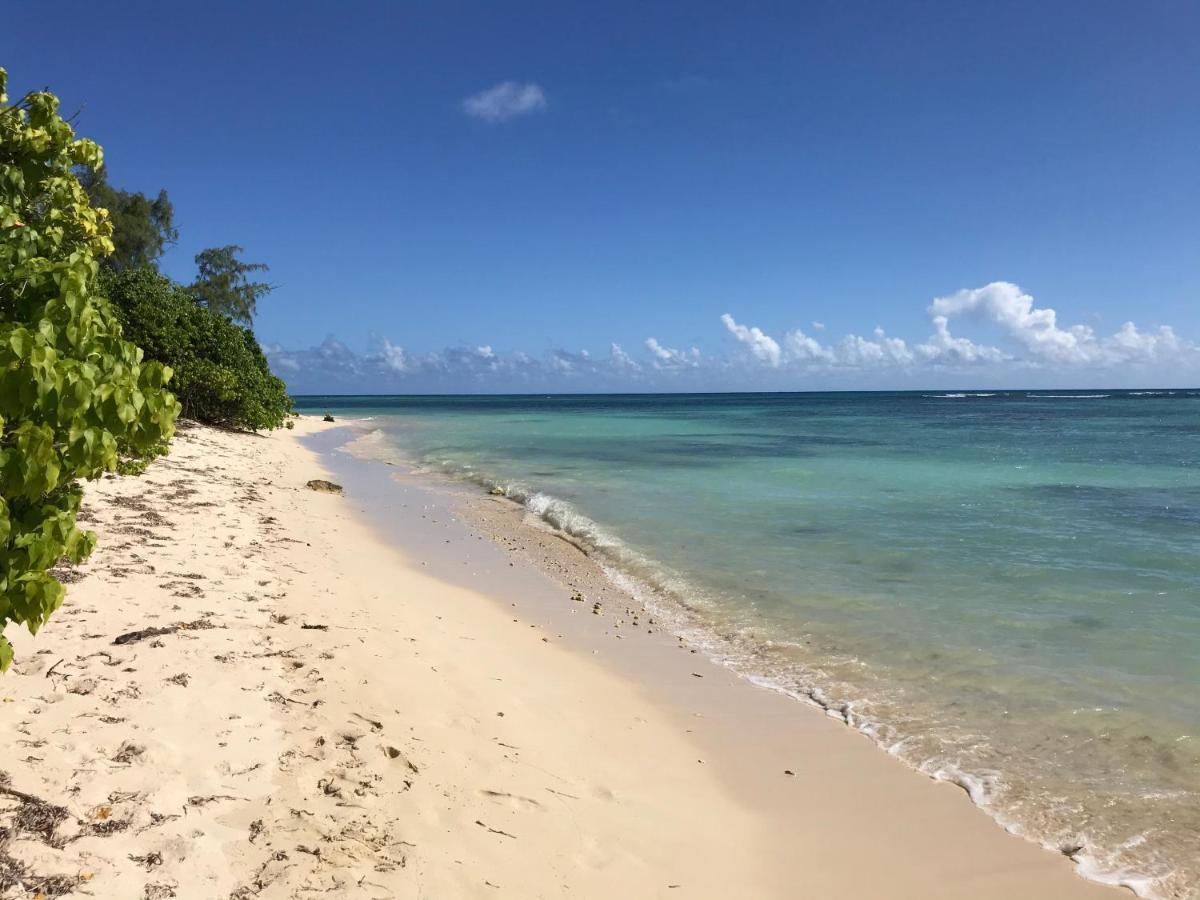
<point x="223" y="284"/>
<point x="75" y="397"/>
<point x="221" y="375"/>
<point x="142" y="228"/>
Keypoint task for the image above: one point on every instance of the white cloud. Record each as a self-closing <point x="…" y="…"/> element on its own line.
<point x="762" y="346"/>
<point x="1131" y="345"/>
<point x="1047" y="343"/>
<point x="621" y="360"/>
<point x="388" y="354"/>
<point x="818" y="326"/>
<point x="1034" y="343"/>
<point x="1038" y="338"/>
<point x="1008" y="306"/>
<point x="944" y="349"/>
<point x="669" y="358"/>
<point x="505" y="101"/>
<point x="859" y="352"/>
<point x="802" y="348"/>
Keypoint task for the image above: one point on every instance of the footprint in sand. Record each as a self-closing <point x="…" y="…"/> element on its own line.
<point x="512" y="801"/>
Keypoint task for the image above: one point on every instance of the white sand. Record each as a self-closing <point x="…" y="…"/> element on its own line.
<point x="425" y="745"/>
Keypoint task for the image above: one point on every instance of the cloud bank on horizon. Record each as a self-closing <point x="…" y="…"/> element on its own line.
<point x="1036" y="351"/>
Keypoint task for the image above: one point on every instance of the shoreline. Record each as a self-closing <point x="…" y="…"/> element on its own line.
<point x="468" y="513"/>
<point x="565" y="558"/>
<point x="325" y="713"/>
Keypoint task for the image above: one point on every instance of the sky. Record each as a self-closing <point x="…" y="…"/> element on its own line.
<point x="672" y="196"/>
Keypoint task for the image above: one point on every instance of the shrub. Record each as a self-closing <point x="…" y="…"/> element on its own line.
<point x="221" y="374"/>
<point x="76" y="400"/>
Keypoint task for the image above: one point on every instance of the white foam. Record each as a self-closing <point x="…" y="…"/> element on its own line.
<point x="1067" y="396"/>
<point x="959" y="396"/>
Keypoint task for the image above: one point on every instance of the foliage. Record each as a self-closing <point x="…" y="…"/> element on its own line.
<point x="221" y="375"/>
<point x="75" y="398"/>
<point x="142" y="228"/>
<point x="223" y="284"/>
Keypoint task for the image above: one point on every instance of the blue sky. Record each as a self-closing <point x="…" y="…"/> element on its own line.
<point x="468" y="196"/>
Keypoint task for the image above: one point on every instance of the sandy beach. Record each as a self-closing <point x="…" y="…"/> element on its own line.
<point x="254" y="689"/>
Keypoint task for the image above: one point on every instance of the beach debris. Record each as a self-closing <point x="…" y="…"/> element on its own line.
<point x="211" y="798"/>
<point x="328" y="788"/>
<point x="375" y="724"/>
<point x="149" y="860"/>
<point x="316" y="627"/>
<point x="83" y="687"/>
<point x="788" y="772"/>
<point x="320" y="484"/>
<point x="128" y="752"/>
<point x="34" y="816"/>
<point x="495" y="830"/>
<point x="328" y="418"/>
<point x="132" y="637"/>
<point x="497" y="492"/>
<point x="1070" y="851"/>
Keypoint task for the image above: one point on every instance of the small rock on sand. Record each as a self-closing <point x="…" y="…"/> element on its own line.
<point x="320" y="484"/>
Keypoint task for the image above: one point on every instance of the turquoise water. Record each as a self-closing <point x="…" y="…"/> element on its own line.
<point x="1002" y="588"/>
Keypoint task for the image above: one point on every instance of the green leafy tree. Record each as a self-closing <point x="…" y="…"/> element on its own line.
<point x="142" y="228"/>
<point x="221" y="375"/>
<point x="224" y="285"/>
<point x="75" y="397"/>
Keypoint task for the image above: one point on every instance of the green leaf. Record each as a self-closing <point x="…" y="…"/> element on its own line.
<point x="73" y="398"/>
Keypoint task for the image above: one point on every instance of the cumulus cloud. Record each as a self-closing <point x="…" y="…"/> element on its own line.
<point x="621" y="360"/>
<point x="805" y="349"/>
<point x="761" y="345"/>
<point x="1046" y="342"/>
<point x="800" y="350"/>
<point x="1034" y="341"/>
<point x="669" y="358"/>
<point x="1037" y="338"/>
<point x="505" y="101"/>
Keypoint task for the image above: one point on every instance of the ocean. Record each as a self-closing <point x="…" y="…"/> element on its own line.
<point x="1001" y="587"/>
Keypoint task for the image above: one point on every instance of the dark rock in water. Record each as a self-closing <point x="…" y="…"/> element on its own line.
<point x="328" y="417"/>
<point x="319" y="484"/>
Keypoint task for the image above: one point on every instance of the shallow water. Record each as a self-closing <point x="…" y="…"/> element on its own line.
<point x="1004" y="588"/>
